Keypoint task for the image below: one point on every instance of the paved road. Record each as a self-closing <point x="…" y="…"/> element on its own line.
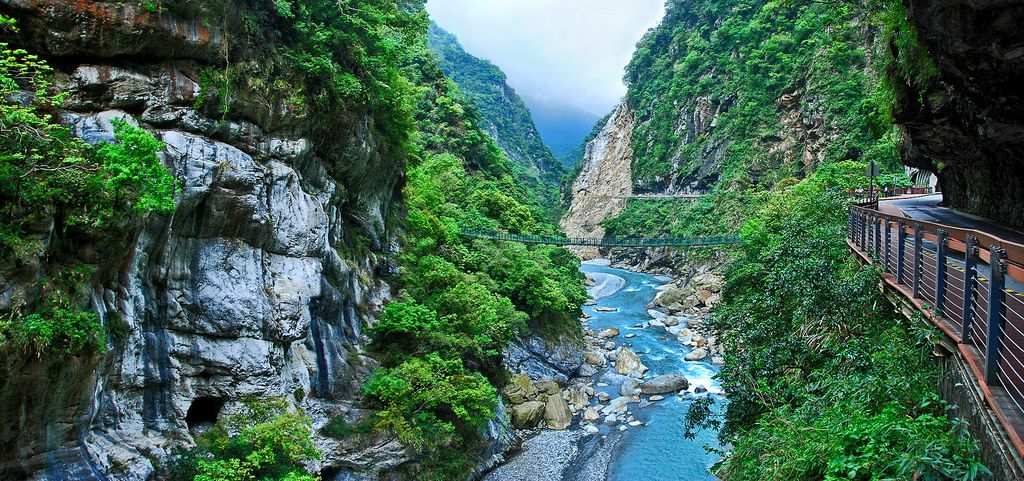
<point x="926" y="208"/>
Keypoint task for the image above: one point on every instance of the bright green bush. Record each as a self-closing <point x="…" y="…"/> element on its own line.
<point x="133" y="171"/>
<point x="267" y="441"/>
<point x="431" y="401"/>
<point x="56" y="331"/>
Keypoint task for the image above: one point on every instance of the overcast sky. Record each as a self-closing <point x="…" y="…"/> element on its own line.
<point x="558" y="51"/>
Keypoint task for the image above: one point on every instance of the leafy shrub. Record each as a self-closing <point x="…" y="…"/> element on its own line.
<point x="338" y="428"/>
<point x="431" y="400"/>
<point x="266" y="441"/>
<point x="133" y="171"/>
<point x="56" y="331"/>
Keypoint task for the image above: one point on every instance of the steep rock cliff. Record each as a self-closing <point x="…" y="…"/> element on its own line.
<point x="259" y="283"/>
<point x="967" y="125"/>
<point x="604" y="182"/>
<point x="733" y="100"/>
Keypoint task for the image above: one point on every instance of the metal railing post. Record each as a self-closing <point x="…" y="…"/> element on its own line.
<point x="849" y="223"/>
<point x="878" y="236"/>
<point x="901" y="250"/>
<point x="970" y="261"/>
<point x="888" y="244"/>
<point x="863" y="231"/>
<point x="940" y="274"/>
<point x="918" y="264"/>
<point x="994" y="339"/>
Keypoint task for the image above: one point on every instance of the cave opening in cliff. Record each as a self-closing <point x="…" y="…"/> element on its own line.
<point x="204" y="411"/>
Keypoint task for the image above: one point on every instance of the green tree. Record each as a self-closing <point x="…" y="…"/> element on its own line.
<point x="133" y="170"/>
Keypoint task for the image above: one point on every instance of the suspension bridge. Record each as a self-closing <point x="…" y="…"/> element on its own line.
<point x="603" y="242"/>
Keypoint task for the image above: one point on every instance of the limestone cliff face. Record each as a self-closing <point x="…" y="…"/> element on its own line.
<point x="260" y="283"/>
<point x="604" y="180"/>
<point x="968" y="126"/>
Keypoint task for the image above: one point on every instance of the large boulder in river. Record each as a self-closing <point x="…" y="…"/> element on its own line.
<point x="655" y="314"/>
<point x="698" y="354"/>
<point x="629" y="387"/>
<point x="578" y="398"/>
<point x="594" y="358"/>
<point x="664" y="384"/>
<point x="618" y="405"/>
<point x="548" y="387"/>
<point x="671" y="296"/>
<point x="707" y="282"/>
<point x="543" y="358"/>
<point x="607" y="333"/>
<point x="528" y="414"/>
<point x="557" y="413"/>
<point x="628" y="364"/>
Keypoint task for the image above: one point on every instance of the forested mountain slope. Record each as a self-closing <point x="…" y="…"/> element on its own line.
<point x="504" y="115"/>
<point x="734" y="97"/>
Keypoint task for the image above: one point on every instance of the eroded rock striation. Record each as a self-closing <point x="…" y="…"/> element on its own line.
<point x="604" y="183"/>
<point x="260" y="282"/>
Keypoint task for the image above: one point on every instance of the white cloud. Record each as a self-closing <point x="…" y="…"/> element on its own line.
<point x="557" y="51"/>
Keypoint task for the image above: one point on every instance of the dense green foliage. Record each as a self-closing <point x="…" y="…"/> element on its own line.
<point x="503" y="114"/>
<point x="743" y="56"/>
<point x="48" y="176"/>
<point x="825" y="379"/>
<point x="431" y="399"/>
<point x="739" y="59"/>
<point x="462" y="300"/>
<point x="264" y="442"/>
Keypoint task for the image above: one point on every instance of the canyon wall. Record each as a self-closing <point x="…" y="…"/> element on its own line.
<point x="604" y="182"/>
<point x="964" y="116"/>
<point x="259" y="283"/>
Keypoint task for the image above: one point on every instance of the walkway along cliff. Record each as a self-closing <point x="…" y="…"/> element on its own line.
<point x="973" y="294"/>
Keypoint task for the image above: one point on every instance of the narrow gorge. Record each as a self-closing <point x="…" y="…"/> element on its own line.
<point x="269" y="240"/>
